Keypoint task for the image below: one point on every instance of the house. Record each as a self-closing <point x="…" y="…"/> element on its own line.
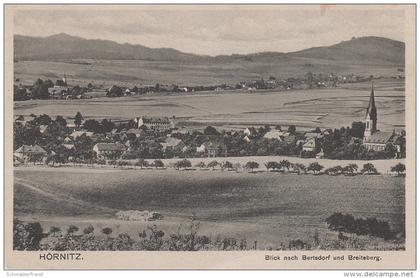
<point x="379" y="140"/>
<point x="28" y="153"/>
<point x="246" y="138"/>
<point x="213" y="148"/>
<point x="201" y="148"/>
<point x="109" y="150"/>
<point x="290" y="139"/>
<point x="77" y="133"/>
<point x="216" y="149"/>
<point x="68" y="143"/>
<point x="250" y="132"/>
<point x="43" y="128"/>
<point x="172" y="143"/>
<point x="374" y="139"/>
<point x="58" y="91"/>
<point x="276" y="134"/>
<point x="310" y="145"/>
<point x="154" y="123"/>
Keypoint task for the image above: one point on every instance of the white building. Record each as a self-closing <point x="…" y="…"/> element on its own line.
<point x="154" y="123"/>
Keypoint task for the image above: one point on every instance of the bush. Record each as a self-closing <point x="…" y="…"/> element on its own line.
<point x="88" y="230"/>
<point x="315" y="167"/>
<point x="107" y="231"/>
<point x="213" y="164"/>
<point x="27" y="236"/>
<point x="369" y="226"/>
<point x="158" y="163"/>
<point x="185" y="163"/>
<point x="369" y="169"/>
<point x="227" y="165"/>
<point x="54" y="230"/>
<point x="272" y="165"/>
<point x="72" y="229"/>
<point x="399" y="169"/>
<point x="252" y="165"/>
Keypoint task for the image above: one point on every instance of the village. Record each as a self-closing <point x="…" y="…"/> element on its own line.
<point x="42" y="140"/>
<point x="61" y="88"/>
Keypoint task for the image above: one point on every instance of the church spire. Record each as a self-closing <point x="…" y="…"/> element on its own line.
<point x="371" y="116"/>
<point x="371" y="110"/>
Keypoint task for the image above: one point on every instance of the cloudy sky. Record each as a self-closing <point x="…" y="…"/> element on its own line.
<point x="214" y="30"/>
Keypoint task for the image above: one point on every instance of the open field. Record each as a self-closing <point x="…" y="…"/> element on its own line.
<point x="307" y="108"/>
<point x="141" y="72"/>
<point x="268" y="207"/>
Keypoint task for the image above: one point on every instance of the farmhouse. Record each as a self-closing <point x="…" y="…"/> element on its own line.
<point x="309" y="145"/>
<point x="154" y="123"/>
<point x="109" y="150"/>
<point x="213" y="148"/>
<point x="373" y="138"/>
<point x="30" y="153"/>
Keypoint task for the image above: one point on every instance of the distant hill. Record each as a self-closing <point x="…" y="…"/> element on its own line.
<point x="367" y="49"/>
<point x="63" y="46"/>
<point x="364" y="50"/>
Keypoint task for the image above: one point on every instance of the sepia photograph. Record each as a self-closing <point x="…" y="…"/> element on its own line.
<point x="278" y="130"/>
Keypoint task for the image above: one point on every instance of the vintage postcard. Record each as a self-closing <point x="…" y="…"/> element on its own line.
<point x="210" y="137"/>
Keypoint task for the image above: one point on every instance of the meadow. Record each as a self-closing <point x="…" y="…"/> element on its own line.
<point x="143" y="72"/>
<point x="306" y="108"/>
<point x="268" y="207"/>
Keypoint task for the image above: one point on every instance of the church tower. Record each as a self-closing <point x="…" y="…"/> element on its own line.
<point x="371" y="116"/>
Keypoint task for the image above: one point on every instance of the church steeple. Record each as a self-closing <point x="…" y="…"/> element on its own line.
<point x="371" y="116"/>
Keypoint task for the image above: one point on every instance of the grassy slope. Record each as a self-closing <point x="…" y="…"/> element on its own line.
<point x="224" y="195"/>
<point x="264" y="207"/>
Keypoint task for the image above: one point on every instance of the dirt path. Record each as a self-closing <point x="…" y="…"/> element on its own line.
<point x="63" y="199"/>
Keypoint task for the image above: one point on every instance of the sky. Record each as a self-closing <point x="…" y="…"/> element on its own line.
<point x="215" y="30"/>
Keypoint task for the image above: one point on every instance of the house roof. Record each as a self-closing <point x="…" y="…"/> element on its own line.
<point x="68" y="146"/>
<point x="312" y="135"/>
<point x="251" y="130"/>
<point x="274" y="134"/>
<point x="135" y="131"/>
<point x="35" y="149"/>
<point x="78" y="133"/>
<point x="147" y="120"/>
<point x="110" y="147"/>
<point x="289" y="139"/>
<point x="215" y="144"/>
<point x="379" y="137"/>
<point x="171" y="142"/>
<point x="310" y="143"/>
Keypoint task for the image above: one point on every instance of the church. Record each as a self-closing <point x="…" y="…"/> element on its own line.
<point x="374" y="139"/>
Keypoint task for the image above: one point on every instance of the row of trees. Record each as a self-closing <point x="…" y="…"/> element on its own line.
<point x="284" y="166"/>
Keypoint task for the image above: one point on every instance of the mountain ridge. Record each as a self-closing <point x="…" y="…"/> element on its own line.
<point x="63" y="46"/>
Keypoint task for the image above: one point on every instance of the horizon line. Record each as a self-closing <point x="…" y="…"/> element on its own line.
<point x="206" y="55"/>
